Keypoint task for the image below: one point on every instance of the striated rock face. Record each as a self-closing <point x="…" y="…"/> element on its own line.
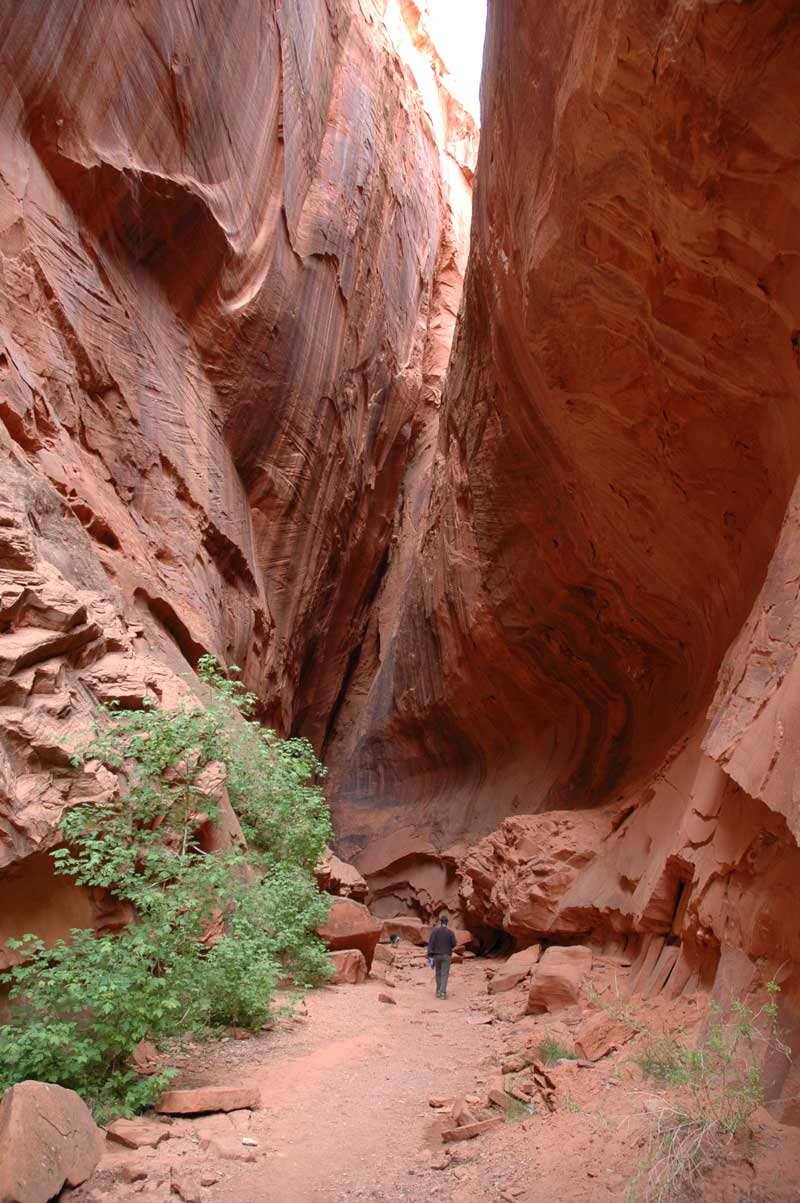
<point x="231" y="251"/>
<point x="611" y="535"/>
<point x="619" y="437"/>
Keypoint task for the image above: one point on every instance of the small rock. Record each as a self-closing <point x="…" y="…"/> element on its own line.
<point x="137" y="1133"/>
<point x="208" y="1179"/>
<point x="185" y="1187"/>
<point x="387" y="998"/>
<point x="227" y="1150"/>
<point x="435" y="1101"/>
<point x="470" y="1131"/>
<point x="441" y="1162"/>
<point x="461" y="1114"/>
<point x="498" y="1097"/>
<point x="248" y="1140"/>
<point x="132" y="1173"/>
<point x="145" y="1058"/>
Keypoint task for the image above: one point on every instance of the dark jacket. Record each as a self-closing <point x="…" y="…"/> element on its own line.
<point x="442" y="942"/>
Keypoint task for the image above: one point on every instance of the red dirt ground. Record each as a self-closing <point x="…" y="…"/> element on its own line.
<point x="345" y="1114"/>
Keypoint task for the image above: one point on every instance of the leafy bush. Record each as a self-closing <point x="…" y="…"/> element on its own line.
<point x="551" y="1050"/>
<point x="211" y="934"/>
<point x="717" y="1085"/>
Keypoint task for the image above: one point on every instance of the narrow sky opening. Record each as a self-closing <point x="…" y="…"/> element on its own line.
<point x="458" y="28"/>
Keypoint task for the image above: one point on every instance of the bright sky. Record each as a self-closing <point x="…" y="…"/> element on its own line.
<point x="458" y="27"/>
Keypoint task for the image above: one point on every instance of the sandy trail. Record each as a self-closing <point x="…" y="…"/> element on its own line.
<point x="345" y="1092"/>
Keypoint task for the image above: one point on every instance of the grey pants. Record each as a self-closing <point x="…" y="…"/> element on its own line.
<point x="442" y="973"/>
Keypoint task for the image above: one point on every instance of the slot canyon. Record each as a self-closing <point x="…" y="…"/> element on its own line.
<point x="478" y="454"/>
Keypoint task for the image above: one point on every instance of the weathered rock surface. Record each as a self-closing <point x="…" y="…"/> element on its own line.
<point x="518" y="878"/>
<point x="557" y="979"/>
<point x="350" y="967"/>
<point x="350" y="926"/>
<point x="620" y="432"/>
<point x="337" y="877"/>
<point x="201" y="1099"/>
<point x="48" y="1140"/>
<point x="230" y="273"/>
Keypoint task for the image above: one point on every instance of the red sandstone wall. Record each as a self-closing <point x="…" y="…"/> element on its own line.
<point x="619" y="436"/>
<point x="611" y="540"/>
<point x="232" y="238"/>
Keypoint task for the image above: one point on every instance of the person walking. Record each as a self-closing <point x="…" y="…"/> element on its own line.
<point x="440" y="950"/>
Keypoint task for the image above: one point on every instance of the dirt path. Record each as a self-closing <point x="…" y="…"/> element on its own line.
<point x="345" y="1093"/>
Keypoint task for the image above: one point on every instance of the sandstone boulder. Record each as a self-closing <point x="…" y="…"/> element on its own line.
<point x="350" y="967"/>
<point x="385" y="953"/>
<point x="515" y="970"/>
<point x="557" y="979"/>
<point x="350" y="925"/>
<point x="407" y="927"/>
<point x="48" y="1140"/>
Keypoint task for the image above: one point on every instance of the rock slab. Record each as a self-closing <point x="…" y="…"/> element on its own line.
<point x="209" y="1098"/>
<point x="515" y="970"/>
<point x="601" y="1034"/>
<point x="137" y="1133"/>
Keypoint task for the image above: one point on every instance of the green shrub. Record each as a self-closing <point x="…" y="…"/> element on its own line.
<point x="716" y="1086"/>
<point x="211" y="933"/>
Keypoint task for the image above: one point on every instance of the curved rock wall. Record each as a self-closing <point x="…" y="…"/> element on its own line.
<point x="232" y="240"/>
<point x="610" y="546"/>
<point x="619" y="436"/>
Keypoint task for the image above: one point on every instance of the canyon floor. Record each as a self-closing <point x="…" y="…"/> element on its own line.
<point x="345" y="1117"/>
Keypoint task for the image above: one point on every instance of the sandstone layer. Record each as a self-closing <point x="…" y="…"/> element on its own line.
<point x="620" y="428"/>
<point x="610" y="546"/>
<point x="232" y="242"/>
